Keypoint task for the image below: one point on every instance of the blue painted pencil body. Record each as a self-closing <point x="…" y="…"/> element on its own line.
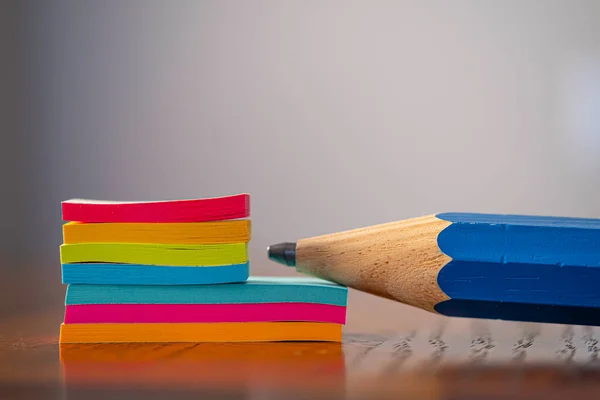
<point x="521" y="268"/>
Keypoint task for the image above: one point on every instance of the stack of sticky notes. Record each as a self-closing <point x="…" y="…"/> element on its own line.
<point x="178" y="271"/>
<point x="197" y="241"/>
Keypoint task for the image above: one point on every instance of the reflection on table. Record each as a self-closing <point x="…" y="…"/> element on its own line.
<point x="293" y="366"/>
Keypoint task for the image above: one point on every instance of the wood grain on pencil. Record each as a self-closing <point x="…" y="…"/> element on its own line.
<point x="397" y="260"/>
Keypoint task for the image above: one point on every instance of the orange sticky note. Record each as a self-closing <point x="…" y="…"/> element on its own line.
<point x="218" y="232"/>
<point x="201" y="332"/>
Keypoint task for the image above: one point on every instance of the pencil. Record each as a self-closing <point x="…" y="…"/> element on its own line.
<point x="491" y="266"/>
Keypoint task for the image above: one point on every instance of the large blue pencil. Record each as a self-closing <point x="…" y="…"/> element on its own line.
<point x="511" y="267"/>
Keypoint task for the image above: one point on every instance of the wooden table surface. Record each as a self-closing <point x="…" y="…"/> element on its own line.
<point x="366" y="365"/>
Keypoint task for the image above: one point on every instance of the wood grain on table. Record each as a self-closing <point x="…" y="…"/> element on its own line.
<point x="389" y="351"/>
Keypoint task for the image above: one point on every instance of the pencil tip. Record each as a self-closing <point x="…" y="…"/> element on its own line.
<point x="283" y="253"/>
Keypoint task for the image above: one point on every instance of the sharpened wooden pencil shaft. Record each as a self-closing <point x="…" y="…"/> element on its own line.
<point x="398" y="260"/>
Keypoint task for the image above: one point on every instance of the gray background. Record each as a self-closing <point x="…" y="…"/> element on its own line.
<point x="331" y="114"/>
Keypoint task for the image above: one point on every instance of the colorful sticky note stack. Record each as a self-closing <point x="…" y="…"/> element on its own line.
<point x="178" y="271"/>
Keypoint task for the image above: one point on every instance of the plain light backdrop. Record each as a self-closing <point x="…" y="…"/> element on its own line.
<point x="332" y="114"/>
